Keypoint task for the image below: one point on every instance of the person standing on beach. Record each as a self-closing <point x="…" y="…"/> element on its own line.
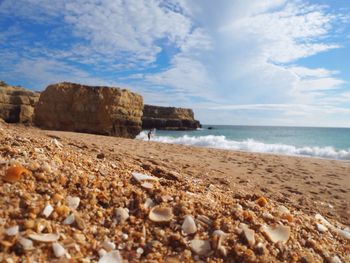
<point x="149" y="134"/>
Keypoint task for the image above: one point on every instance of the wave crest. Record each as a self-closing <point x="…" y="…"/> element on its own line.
<point x="250" y="145"/>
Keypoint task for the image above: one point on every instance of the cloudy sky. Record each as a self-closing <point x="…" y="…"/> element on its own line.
<point x="254" y="62"/>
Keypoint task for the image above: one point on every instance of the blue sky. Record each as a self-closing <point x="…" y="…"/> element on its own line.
<point x="271" y="62"/>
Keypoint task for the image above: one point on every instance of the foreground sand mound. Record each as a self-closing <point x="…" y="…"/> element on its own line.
<point x="64" y="201"/>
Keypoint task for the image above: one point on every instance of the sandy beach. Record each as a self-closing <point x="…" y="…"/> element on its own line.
<point x="311" y="184"/>
<point x="235" y="191"/>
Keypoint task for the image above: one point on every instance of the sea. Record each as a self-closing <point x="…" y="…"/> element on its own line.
<point x="330" y="143"/>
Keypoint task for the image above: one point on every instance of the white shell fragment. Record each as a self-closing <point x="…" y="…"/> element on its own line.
<point x="108" y="245"/>
<point x="147" y="185"/>
<point x="160" y="214"/>
<point x="73" y="202"/>
<point x="277" y="233"/>
<point x="321" y="228"/>
<point x="200" y="247"/>
<point x="343" y="233"/>
<point x="57" y="143"/>
<point x="248" y="234"/>
<point x="122" y="214"/>
<point x="148" y="203"/>
<point x="69" y="219"/>
<point x="26" y="243"/>
<point x="143" y="177"/>
<point x="189" y="225"/>
<point x="44" y="237"/>
<point x="12" y="231"/>
<point x="111" y="257"/>
<point x="58" y="250"/>
<point x="283" y="210"/>
<point x="47" y="210"/>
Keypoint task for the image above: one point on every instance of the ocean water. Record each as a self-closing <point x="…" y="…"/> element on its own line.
<point x="332" y="143"/>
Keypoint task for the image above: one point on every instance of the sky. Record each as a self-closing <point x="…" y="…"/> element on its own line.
<point x="251" y="62"/>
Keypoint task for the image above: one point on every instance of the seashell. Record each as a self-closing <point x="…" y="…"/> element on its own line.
<point x="58" y="250"/>
<point x="69" y="219"/>
<point x="189" y="226"/>
<point x="147" y="185"/>
<point x="122" y="214"/>
<point x="321" y="228"/>
<point x="160" y="214"/>
<point x="277" y="233"/>
<point x="343" y="233"/>
<point x="200" y="247"/>
<point x="218" y="237"/>
<point x="15" y="173"/>
<point x="107" y="245"/>
<point x="57" y="143"/>
<point x="47" y="210"/>
<point x="12" y="231"/>
<point x="111" y="257"/>
<point x="143" y="177"/>
<point x="249" y="235"/>
<point x="102" y="252"/>
<point x="262" y="201"/>
<point x="323" y="221"/>
<point x="148" y="203"/>
<point x="27" y="244"/>
<point x="167" y="198"/>
<point x="283" y="210"/>
<point x="44" y="237"/>
<point x="204" y="220"/>
<point x="73" y="202"/>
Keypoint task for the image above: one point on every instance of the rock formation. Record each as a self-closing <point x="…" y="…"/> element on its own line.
<point x="168" y="118"/>
<point x="17" y="104"/>
<point x="98" y="110"/>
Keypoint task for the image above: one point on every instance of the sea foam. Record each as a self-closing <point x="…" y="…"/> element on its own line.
<point x="251" y="145"/>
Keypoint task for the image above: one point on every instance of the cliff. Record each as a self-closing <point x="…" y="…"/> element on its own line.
<point x="90" y="109"/>
<point x="17" y="104"/>
<point x="168" y="118"/>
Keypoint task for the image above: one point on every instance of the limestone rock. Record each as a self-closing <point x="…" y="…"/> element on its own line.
<point x="17" y="104"/>
<point x="90" y="109"/>
<point x="168" y="118"/>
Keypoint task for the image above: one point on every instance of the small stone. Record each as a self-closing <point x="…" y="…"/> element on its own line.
<point x="160" y="214"/>
<point x="200" y="247"/>
<point x="262" y="201"/>
<point x="12" y="231"/>
<point x="73" y="202"/>
<point x="189" y="226"/>
<point x="100" y="156"/>
<point x="139" y="250"/>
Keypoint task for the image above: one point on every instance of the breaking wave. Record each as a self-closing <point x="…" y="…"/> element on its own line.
<point x="251" y="145"/>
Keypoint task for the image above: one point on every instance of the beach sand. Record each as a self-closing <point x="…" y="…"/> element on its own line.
<point x="311" y="184"/>
<point x="226" y="188"/>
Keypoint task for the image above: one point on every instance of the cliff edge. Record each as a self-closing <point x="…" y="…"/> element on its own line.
<point x="17" y="104"/>
<point x="168" y="118"/>
<point x="90" y="109"/>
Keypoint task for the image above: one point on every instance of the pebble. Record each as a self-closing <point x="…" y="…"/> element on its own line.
<point x="47" y="210"/>
<point x="12" y="231"/>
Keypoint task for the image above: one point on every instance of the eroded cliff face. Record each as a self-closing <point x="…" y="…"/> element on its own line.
<point x="99" y="110"/>
<point x="17" y="104"/>
<point x="168" y="118"/>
